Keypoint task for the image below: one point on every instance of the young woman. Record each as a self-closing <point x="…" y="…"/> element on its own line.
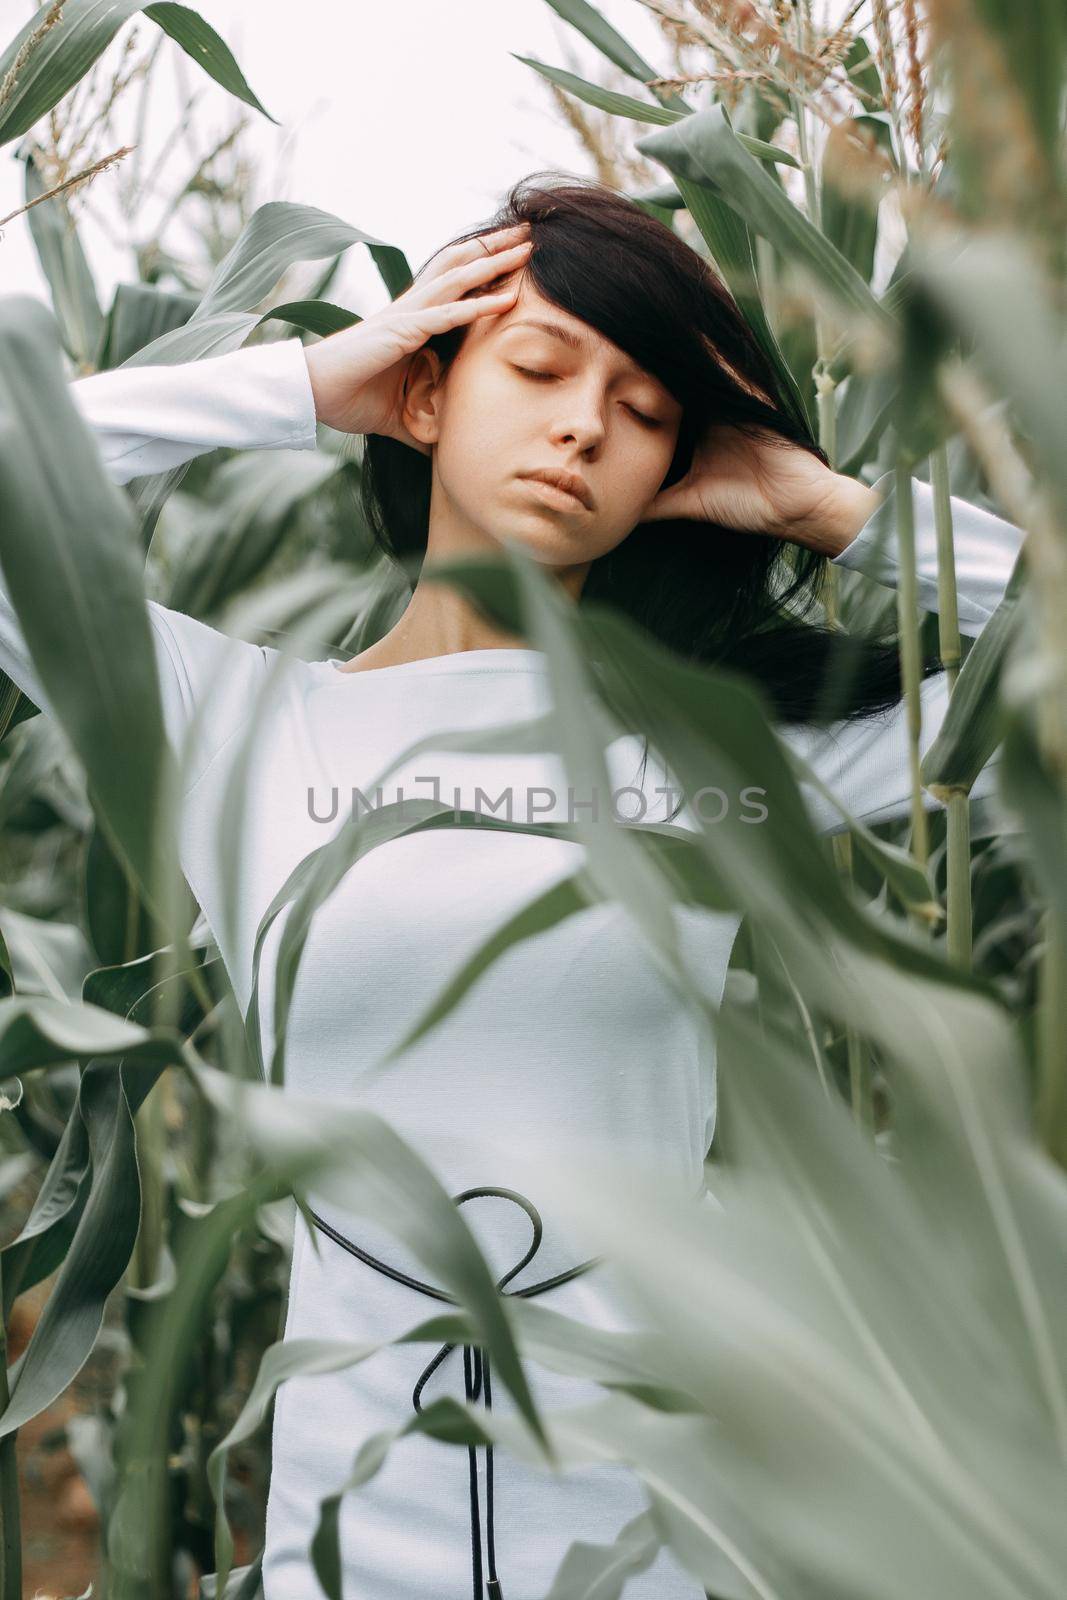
<point x="573" y="378"/>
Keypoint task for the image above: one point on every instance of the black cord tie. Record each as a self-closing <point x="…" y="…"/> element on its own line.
<point x="476" y="1374"/>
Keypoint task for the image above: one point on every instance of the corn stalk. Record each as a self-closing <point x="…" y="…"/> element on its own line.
<point x="958" y="861"/>
<point x="910" y="654"/>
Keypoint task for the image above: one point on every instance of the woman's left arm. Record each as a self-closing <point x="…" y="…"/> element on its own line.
<point x="773" y="488"/>
<point x="866" y="762"/>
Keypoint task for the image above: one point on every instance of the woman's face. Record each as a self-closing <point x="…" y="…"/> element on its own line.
<point x="536" y="389"/>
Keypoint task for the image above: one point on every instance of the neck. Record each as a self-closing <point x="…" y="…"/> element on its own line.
<point x="439" y="620"/>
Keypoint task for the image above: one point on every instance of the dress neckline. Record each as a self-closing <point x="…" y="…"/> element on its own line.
<point x="503" y="658"/>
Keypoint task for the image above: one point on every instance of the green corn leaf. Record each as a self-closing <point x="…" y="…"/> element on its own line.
<point x="624" y="105"/>
<point x="275" y="236"/>
<point x="705" y="150"/>
<point x="80" y="599"/>
<point x="974" y="723"/>
<point x="313" y="316"/>
<point x="106" y="1219"/>
<point x="63" y="262"/>
<point x="140" y="313"/>
<point x="37" y="1031"/>
<point x="200" y="41"/>
<point x="66" y="51"/>
<point x="593" y="26"/>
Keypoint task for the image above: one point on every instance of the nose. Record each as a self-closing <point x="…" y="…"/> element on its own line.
<point x="580" y="420"/>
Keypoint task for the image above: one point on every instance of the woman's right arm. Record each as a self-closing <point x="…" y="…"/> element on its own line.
<point x="149" y="419"/>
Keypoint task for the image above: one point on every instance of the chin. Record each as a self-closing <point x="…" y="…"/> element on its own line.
<point x="550" y="548"/>
<point x="553" y="540"/>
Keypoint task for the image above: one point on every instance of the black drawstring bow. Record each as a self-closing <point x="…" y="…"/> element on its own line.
<point x="476" y="1373"/>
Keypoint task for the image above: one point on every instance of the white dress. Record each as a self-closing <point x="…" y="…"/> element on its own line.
<point x="570" y="1037"/>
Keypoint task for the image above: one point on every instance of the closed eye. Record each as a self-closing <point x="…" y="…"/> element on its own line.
<point x="533" y="372"/>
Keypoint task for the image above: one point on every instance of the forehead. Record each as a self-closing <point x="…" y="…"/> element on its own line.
<point x="542" y="318"/>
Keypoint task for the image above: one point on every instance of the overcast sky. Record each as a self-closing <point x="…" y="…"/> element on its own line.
<point x="407" y="118"/>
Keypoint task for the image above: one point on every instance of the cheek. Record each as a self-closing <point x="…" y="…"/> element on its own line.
<point x="642" y="464"/>
<point x="477" y="438"/>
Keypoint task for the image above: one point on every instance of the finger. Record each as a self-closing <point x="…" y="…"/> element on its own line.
<point x="458" y="280"/>
<point x="438" y="319"/>
<point x="478" y="248"/>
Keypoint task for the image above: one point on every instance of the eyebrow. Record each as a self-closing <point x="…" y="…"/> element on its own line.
<point x="571" y="340"/>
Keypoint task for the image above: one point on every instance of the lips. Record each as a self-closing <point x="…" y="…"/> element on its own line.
<point x="569" y="482"/>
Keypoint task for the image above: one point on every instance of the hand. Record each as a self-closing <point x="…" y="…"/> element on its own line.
<point x="767" y="486"/>
<point x="358" y="374"/>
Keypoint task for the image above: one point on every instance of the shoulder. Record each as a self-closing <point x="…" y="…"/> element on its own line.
<point x="200" y="652"/>
<point x="209" y="685"/>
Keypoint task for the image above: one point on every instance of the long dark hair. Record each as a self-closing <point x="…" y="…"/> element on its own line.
<point x="712" y="594"/>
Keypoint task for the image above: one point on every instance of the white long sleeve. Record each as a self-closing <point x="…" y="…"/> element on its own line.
<point x="149" y="419"/>
<point x="865" y="762"/>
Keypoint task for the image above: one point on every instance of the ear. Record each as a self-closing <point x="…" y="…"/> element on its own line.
<point x="423" y="396"/>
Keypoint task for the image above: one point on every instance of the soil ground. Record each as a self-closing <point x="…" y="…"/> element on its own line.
<point x="59" y="1521"/>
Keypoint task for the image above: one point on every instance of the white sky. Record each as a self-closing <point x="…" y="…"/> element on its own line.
<point x="407" y="118"/>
